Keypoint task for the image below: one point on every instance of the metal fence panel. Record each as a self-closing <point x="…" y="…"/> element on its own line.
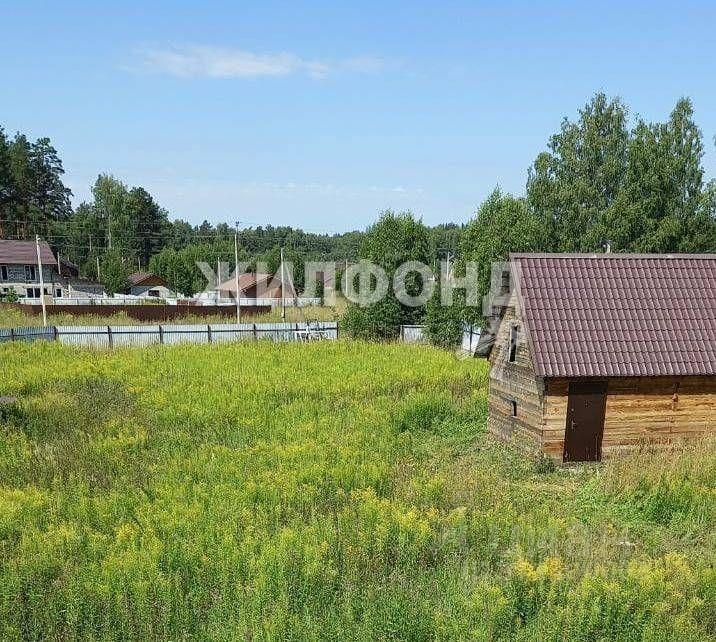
<point x="277" y="331"/>
<point x="412" y="334"/>
<point x="185" y="334"/>
<point x="470" y="337"/>
<point x="95" y="336"/>
<point x="224" y="332"/>
<point x="134" y="335"/>
<point x="34" y="334"/>
<point x="103" y="336"/>
<point x="330" y="328"/>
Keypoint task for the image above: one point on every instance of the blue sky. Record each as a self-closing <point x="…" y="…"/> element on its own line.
<point x="319" y="115"/>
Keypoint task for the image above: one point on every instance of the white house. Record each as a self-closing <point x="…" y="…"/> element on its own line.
<point x="20" y="272"/>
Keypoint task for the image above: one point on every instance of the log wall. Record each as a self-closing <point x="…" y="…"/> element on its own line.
<point x="514" y="382"/>
<point x="640" y="410"/>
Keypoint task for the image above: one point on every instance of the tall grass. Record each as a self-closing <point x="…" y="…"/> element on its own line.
<point x="324" y="491"/>
<point x="11" y="317"/>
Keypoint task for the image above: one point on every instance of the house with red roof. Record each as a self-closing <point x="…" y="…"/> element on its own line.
<point x="597" y="354"/>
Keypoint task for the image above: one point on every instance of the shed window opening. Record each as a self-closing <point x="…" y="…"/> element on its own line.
<point x="3" y="273"/>
<point x="30" y="273"/>
<point x="512" y="353"/>
<point x="505" y="282"/>
<point x="513" y="408"/>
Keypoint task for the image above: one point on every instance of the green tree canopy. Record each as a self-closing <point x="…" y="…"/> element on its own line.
<point x="642" y="190"/>
<point x="114" y="272"/>
<point x="574" y="184"/>
<point x="443" y="323"/>
<point x="392" y="241"/>
<point x="663" y="206"/>
<point x="503" y="224"/>
<point x="32" y="194"/>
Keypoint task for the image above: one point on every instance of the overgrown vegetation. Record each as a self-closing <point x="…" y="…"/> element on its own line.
<point x="328" y="491"/>
<point x="11" y="317"/>
<point x="395" y="239"/>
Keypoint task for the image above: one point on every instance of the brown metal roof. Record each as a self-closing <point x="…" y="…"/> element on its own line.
<point x="137" y="278"/>
<point x="24" y="253"/>
<point x="248" y="280"/>
<point x="619" y="315"/>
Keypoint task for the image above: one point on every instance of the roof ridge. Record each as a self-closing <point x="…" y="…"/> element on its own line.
<point x="607" y="255"/>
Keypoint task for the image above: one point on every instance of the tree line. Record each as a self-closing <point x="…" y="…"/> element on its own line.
<point x="122" y="229"/>
<point x="603" y="179"/>
<point x="599" y="183"/>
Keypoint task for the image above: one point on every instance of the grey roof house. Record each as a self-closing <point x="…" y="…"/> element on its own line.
<point x="20" y="272"/>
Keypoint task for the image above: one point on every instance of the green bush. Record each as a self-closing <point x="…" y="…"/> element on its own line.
<point x="443" y="324"/>
<point x="378" y="322"/>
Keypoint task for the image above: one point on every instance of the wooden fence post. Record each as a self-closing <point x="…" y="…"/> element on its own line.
<point x="208" y="332"/>
<point x="161" y="335"/>
<point x="109" y="335"/>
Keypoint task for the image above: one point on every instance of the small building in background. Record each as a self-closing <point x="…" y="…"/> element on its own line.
<point x="256" y="285"/>
<point x="147" y="284"/>
<point x="20" y="272"/>
<point x="75" y="286"/>
<point x="598" y="354"/>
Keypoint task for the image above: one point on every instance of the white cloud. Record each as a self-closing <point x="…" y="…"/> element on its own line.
<point x="222" y="62"/>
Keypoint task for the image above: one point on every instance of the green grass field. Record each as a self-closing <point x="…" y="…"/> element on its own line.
<point x="325" y="491"/>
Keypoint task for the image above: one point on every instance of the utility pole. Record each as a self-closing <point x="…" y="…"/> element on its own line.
<point x="283" y="297"/>
<point x="236" y="272"/>
<point x="42" y="281"/>
<point x="97" y="257"/>
<point x="59" y="276"/>
<point x="218" y="279"/>
<point x="109" y="227"/>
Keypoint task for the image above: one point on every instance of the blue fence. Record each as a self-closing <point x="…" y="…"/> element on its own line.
<point x="28" y="334"/>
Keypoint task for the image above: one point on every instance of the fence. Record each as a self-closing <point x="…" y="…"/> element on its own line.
<point x="470" y="338"/>
<point x="299" y="302"/>
<point x="105" y="336"/>
<point x="412" y="334"/>
<point x="144" y="312"/>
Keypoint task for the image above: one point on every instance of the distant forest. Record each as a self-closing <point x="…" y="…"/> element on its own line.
<point x="603" y="178"/>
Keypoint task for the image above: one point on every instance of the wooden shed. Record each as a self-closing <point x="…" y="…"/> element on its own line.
<point x="596" y="354"/>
